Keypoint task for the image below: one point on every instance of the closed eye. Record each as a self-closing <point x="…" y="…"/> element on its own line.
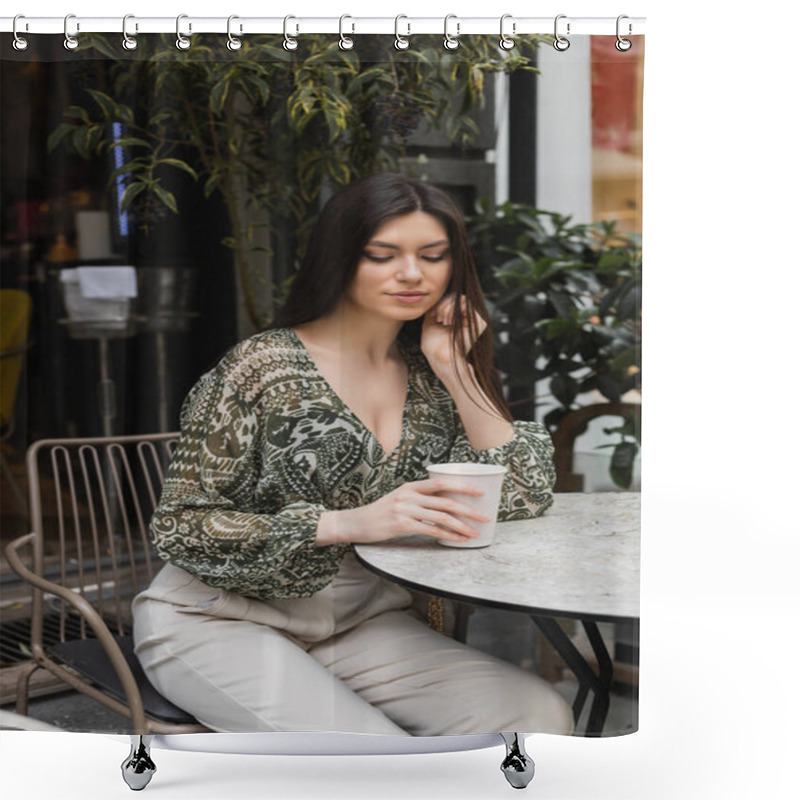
<point x="384" y="259"/>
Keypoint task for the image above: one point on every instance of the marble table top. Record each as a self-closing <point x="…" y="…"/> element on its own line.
<point x="580" y="559"/>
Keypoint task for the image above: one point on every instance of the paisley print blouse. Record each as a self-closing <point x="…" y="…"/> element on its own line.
<point x="266" y="446"/>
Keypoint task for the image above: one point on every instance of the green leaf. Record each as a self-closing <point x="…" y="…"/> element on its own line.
<point x="77" y="112"/>
<point x="622" y="459"/>
<point x="167" y="198"/>
<point x="562" y="302"/>
<point x="627" y="358"/>
<point x="218" y="95"/>
<point x="124" y="114"/>
<point x="63" y="130"/>
<point x="630" y="306"/>
<point x="564" y="388"/>
<point x="211" y="184"/>
<point x="132" y="141"/>
<point x="107" y="104"/>
<point x="609" y="299"/>
<point x="131" y="191"/>
<point x="176" y="162"/>
<point x="339" y="171"/>
<point x="610" y="261"/>
<point x="82" y="142"/>
<point x="553" y="417"/>
<point x="609" y="387"/>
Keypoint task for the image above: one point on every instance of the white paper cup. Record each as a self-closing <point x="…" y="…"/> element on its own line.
<point x="489" y="478"/>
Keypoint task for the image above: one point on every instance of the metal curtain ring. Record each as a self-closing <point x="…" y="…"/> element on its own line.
<point x="288" y="42"/>
<point x="400" y="42"/>
<point x="70" y="42"/>
<point x="345" y="42"/>
<point x="182" y="42"/>
<point x="128" y="42"/>
<point x="20" y="43"/>
<point x="450" y="42"/>
<point x="623" y="45"/>
<point x="506" y="42"/>
<point x="561" y="43"/>
<point x="233" y="42"/>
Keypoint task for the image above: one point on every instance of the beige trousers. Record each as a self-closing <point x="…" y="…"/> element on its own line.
<point x="352" y="658"/>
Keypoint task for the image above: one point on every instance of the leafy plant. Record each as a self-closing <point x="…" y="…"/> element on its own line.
<point x="268" y="128"/>
<point x="566" y="308"/>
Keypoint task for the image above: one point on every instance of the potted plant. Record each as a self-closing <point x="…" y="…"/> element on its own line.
<point x="566" y="308"/>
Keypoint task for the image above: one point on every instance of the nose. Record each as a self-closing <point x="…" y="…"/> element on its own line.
<point x="408" y="268"/>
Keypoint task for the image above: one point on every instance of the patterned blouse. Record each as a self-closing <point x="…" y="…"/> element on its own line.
<point x="266" y="446"/>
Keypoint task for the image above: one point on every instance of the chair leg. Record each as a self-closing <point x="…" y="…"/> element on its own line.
<point x="138" y="768"/>
<point x="23" y="688"/>
<point x="518" y="766"/>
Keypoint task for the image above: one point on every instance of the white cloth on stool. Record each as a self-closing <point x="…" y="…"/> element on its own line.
<point x="107" y="282"/>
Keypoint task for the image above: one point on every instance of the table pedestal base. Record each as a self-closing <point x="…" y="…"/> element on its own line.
<point x="599" y="683"/>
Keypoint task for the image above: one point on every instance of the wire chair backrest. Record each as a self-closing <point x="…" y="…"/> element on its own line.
<point x="91" y="505"/>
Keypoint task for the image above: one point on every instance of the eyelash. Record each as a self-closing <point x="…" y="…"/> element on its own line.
<point x="389" y="258"/>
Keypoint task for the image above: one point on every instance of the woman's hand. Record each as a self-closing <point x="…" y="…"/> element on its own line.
<point x="437" y="331"/>
<point x="411" y="508"/>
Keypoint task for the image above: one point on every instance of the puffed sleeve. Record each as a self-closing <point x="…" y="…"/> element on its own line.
<point x="213" y="521"/>
<point x="528" y="457"/>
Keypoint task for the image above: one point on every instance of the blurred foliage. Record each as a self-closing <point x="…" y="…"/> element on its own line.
<point x="269" y="127"/>
<point x="566" y="310"/>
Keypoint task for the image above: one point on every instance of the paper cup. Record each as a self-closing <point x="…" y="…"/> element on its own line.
<point x="489" y="478"/>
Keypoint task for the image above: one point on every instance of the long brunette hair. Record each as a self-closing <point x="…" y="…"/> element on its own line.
<point x="335" y="246"/>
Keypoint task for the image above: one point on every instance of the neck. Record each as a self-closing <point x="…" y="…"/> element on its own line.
<point x="364" y="338"/>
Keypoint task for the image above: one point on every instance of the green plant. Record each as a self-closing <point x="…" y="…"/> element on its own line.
<point x="268" y="128"/>
<point x="566" y="309"/>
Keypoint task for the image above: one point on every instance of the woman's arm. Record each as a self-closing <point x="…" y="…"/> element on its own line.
<point x="482" y="435"/>
<point x="209" y="521"/>
<point x="483" y="424"/>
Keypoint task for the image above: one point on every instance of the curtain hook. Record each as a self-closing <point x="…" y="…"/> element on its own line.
<point x="20" y="43"/>
<point x="506" y="42"/>
<point x="182" y="42"/>
<point x="288" y="42"/>
<point x="451" y="42"/>
<point x="70" y="42"/>
<point x="623" y="45"/>
<point x="561" y="43"/>
<point x="129" y="42"/>
<point x="345" y="42"/>
<point x="400" y="42"/>
<point x="233" y="42"/>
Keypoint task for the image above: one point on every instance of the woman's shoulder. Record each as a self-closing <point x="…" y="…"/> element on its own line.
<point x="250" y="366"/>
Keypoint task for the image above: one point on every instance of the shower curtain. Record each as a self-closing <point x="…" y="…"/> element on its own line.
<point x="158" y="200"/>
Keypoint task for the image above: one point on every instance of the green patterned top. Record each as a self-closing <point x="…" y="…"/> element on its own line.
<point x="266" y="446"/>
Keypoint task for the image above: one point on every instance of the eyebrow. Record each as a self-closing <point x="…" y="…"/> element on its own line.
<point x="376" y="243"/>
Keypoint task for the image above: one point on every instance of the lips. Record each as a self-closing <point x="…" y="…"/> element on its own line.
<point x="408" y="297"/>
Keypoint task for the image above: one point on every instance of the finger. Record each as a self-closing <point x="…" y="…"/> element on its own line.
<point x="451" y="506"/>
<point x="451" y="530"/>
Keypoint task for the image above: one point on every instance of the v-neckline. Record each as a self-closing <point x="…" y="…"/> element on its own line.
<point x="347" y="410"/>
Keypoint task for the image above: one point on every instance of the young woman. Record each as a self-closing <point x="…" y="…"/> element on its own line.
<point x="314" y="435"/>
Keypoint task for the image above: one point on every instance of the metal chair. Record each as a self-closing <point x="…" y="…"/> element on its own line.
<point x="571" y="427"/>
<point x="91" y="501"/>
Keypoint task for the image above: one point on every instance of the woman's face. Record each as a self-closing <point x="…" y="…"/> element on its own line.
<point x="404" y="269"/>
